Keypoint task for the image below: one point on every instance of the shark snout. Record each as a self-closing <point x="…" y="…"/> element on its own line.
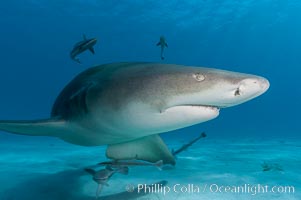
<point x="251" y="87"/>
<point x="264" y="84"/>
<point x="258" y="84"/>
<point x="93" y="41"/>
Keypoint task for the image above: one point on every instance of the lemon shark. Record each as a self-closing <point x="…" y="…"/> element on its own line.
<point x="127" y="105"/>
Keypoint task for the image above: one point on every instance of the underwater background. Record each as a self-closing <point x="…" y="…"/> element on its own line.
<point x="257" y="37"/>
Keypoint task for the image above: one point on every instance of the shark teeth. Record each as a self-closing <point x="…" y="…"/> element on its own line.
<point x="215" y="108"/>
<point x="206" y="106"/>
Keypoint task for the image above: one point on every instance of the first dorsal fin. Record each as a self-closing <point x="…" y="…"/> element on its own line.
<point x="150" y="148"/>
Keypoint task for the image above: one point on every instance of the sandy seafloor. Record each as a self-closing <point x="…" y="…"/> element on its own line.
<point x="38" y="168"/>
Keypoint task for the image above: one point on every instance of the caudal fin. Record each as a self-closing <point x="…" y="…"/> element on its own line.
<point x="48" y="127"/>
<point x="159" y="164"/>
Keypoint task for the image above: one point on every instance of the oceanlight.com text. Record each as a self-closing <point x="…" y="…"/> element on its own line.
<point x="252" y="189"/>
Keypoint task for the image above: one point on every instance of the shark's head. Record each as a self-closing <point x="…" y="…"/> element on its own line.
<point x="157" y="98"/>
<point x="91" y="42"/>
<point x="214" y="88"/>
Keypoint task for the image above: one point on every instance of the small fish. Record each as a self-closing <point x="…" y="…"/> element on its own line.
<point x="185" y="146"/>
<point x="80" y="47"/>
<point x="101" y="177"/>
<point x="271" y="167"/>
<point x="127" y="163"/>
<point x="162" y="43"/>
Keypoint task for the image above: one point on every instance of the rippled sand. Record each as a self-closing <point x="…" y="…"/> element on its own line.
<point x="35" y="168"/>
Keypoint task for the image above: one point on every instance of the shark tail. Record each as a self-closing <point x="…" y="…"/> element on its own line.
<point x="47" y="127"/>
<point x="98" y="191"/>
<point x="162" y="56"/>
<point x="76" y="60"/>
<point x="159" y="164"/>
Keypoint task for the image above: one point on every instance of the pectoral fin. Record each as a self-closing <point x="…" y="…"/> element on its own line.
<point x="159" y="43"/>
<point x="151" y="149"/>
<point x="90" y="171"/>
<point x="92" y="50"/>
<point x="48" y="127"/>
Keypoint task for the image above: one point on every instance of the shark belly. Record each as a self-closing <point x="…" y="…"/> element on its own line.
<point x="100" y="128"/>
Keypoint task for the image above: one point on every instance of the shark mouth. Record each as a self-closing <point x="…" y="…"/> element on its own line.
<point x="202" y="106"/>
<point x="205" y="106"/>
<point x="195" y="106"/>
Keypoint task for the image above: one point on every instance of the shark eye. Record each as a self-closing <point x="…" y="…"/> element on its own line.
<point x="237" y="92"/>
<point x="199" y="76"/>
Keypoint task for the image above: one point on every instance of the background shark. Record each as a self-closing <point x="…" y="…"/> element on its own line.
<point x="126" y="106"/>
<point x="162" y="43"/>
<point x="80" y="47"/>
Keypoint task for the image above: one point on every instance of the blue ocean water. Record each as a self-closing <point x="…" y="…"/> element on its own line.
<point x="257" y="37"/>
